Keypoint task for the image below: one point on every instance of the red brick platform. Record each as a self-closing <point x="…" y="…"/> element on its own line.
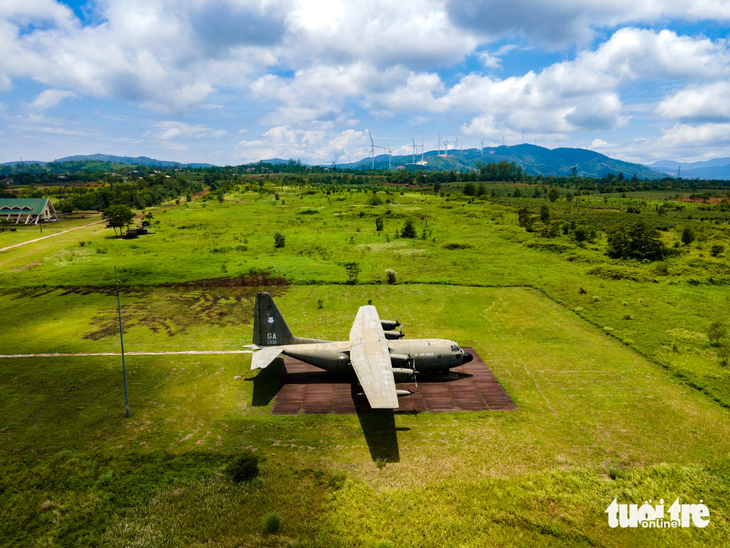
<point x="305" y="389"/>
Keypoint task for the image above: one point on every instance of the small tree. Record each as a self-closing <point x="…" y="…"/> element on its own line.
<point x="409" y="231"/>
<point x="391" y="274"/>
<point x="117" y="216"/>
<point x="544" y="214"/>
<point x="481" y="189"/>
<point x="379" y="224"/>
<point x="553" y="193"/>
<point x="469" y="189"/>
<point x="688" y="236"/>
<point x="353" y="271"/>
<point x="717" y="331"/>
<point x="279" y="240"/>
<point x="436" y="187"/>
<point x="639" y="241"/>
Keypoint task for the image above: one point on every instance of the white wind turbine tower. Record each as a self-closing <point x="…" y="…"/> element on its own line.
<point x="439" y="144"/>
<point x="390" y="154"/>
<point x="482" y="149"/>
<point x="414" y="148"/>
<point x="446" y="146"/>
<point x="423" y="149"/>
<point x="373" y="146"/>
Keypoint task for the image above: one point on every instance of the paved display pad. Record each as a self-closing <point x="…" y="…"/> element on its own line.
<point x="305" y="389"/>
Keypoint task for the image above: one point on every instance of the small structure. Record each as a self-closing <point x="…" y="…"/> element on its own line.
<point x="27" y="210"/>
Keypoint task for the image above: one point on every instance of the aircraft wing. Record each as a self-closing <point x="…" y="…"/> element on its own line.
<point x="371" y="359"/>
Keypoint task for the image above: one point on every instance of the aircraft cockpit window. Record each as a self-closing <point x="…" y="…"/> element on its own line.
<point x="454" y="348"/>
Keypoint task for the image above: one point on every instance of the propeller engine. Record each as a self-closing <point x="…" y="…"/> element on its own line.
<point x="390" y="325"/>
<point x="393" y="335"/>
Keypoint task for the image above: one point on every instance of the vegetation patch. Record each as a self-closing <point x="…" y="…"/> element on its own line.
<point x="610" y="272"/>
<point x="454" y="245"/>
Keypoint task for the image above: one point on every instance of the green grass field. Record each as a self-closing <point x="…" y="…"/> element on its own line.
<point x="620" y="392"/>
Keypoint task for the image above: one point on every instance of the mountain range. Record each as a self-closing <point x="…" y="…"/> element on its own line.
<point x="535" y="160"/>
<point x="138" y="161"/>
<point x="717" y="168"/>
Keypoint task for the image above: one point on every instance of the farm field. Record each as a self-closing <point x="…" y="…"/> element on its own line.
<point x="620" y="391"/>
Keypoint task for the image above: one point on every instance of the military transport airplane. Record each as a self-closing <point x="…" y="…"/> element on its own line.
<point x="376" y="356"/>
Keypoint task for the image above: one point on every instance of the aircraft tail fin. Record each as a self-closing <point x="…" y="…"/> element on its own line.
<point x="269" y="327"/>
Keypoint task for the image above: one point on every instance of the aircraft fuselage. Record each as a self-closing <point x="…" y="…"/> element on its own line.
<point x="423" y="354"/>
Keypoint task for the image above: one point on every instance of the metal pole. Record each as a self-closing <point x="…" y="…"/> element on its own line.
<point x="121" y="338"/>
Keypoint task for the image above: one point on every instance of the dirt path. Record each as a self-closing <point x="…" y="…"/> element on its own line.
<point x="50" y="236"/>
<point x="63" y="355"/>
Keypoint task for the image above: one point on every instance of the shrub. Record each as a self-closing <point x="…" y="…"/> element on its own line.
<point x="244" y="468"/>
<point x="717" y="331"/>
<point x="723" y="354"/>
<point x="279" y="240"/>
<point x="409" y="231"/>
<point x="320" y="303"/>
<point x="582" y="291"/>
<point x="271" y="522"/>
<point x="453" y="245"/>
<point x="716" y="250"/>
<point x="616" y="473"/>
<point x="380" y="462"/>
<point x="379" y="224"/>
<point x="391" y="275"/>
<point x="384" y="544"/>
<point x="469" y="189"/>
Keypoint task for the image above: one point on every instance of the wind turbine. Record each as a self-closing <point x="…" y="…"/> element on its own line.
<point x="439" y="144"/>
<point x="423" y="148"/>
<point x="373" y="146"/>
<point x="414" y="148"/>
<point x="446" y="146"/>
<point x="482" y="149"/>
<point x="390" y="154"/>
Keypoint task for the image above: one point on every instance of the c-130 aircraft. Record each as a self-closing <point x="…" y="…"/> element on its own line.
<point x="376" y="356"/>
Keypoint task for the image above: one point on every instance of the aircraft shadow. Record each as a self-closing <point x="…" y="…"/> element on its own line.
<point x="378" y="427"/>
<point x="380" y="435"/>
<point x="266" y="383"/>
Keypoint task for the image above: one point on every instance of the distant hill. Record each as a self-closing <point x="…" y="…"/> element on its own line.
<point x="274" y="161"/>
<point x="535" y="160"/>
<point x="139" y="160"/>
<point x="24" y="162"/>
<point x="717" y="168"/>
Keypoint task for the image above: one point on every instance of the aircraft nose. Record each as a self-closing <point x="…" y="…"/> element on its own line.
<point x="466" y="358"/>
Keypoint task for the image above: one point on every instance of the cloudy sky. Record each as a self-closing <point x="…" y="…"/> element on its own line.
<point x="235" y="81"/>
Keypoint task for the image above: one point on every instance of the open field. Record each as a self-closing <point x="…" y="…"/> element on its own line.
<point x="587" y="405"/>
<point x="620" y="391"/>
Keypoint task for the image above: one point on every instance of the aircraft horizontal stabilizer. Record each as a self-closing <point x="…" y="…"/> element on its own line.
<point x="265" y="356"/>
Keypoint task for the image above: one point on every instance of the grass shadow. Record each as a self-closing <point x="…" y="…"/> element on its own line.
<point x="266" y="383"/>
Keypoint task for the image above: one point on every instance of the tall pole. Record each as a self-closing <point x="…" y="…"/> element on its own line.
<point x="121" y="338"/>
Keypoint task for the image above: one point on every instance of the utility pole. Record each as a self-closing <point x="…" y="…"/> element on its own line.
<point x="121" y="338"/>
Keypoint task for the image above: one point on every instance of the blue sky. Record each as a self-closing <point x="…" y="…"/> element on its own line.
<point x="235" y="81"/>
